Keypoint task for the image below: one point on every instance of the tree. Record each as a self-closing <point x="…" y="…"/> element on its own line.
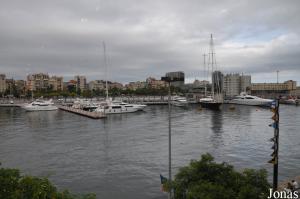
<point x="206" y="179"/>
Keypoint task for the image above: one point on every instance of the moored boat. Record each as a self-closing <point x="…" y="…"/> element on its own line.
<point x="245" y="99"/>
<point x="40" y="105"/>
<point x="179" y="101"/>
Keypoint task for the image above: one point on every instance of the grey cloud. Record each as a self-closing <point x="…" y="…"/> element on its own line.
<point x="147" y="38"/>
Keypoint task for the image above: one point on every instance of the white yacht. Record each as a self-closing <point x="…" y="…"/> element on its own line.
<point x="40" y="105"/>
<point x="109" y="107"/>
<point x="179" y="101"/>
<point x="140" y="107"/>
<point x="245" y="99"/>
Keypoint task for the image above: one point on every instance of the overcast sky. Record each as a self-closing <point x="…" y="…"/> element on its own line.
<point x="149" y="38"/>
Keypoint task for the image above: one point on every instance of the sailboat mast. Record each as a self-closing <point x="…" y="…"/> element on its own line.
<point x="105" y="63"/>
<point x="212" y="66"/>
<point x="205" y="74"/>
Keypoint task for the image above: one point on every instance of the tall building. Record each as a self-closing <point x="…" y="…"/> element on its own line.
<point x="234" y="84"/>
<point x="217" y="80"/>
<point x="81" y="82"/>
<point x="38" y="81"/>
<point x="2" y="83"/>
<point x="177" y="78"/>
<point x="56" y="83"/>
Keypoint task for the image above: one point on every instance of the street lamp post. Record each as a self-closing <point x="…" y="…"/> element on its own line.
<point x="170" y="138"/>
<point x="169" y="80"/>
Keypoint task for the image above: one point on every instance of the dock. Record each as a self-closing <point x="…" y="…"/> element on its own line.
<point x="10" y="105"/>
<point x="93" y="115"/>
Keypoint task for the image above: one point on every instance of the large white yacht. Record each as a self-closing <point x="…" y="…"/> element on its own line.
<point x="251" y="100"/>
<point x="40" y="105"/>
<point x="139" y="107"/>
<point x="109" y="107"/>
<point x="179" y="101"/>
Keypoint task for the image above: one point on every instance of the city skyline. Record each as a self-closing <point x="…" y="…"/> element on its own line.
<point x="149" y="38"/>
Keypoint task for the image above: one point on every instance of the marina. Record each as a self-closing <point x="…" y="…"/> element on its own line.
<point x="86" y="155"/>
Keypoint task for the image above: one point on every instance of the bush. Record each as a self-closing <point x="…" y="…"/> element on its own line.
<point x="15" y="186"/>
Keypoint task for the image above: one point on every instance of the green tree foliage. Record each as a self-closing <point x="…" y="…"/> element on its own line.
<point x="15" y="186"/>
<point x="206" y="179"/>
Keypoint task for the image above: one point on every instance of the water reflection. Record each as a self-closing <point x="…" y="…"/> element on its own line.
<point x="217" y="128"/>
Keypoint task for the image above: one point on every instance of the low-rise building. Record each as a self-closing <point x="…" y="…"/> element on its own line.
<point x="272" y="90"/>
<point x="96" y="85"/>
<point x="136" y="85"/>
<point x="115" y="85"/>
<point x="155" y="84"/>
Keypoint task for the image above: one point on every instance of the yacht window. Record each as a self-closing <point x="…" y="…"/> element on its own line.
<point x="115" y="107"/>
<point x="249" y="98"/>
<point x="128" y="106"/>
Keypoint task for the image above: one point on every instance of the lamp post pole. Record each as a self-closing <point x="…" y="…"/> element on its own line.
<point x="170" y="140"/>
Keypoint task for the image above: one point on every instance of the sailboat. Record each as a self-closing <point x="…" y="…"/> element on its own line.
<point x="113" y="107"/>
<point x="215" y="100"/>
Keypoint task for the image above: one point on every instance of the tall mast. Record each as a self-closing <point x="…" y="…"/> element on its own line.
<point x="205" y="74"/>
<point x="212" y="65"/>
<point x="105" y="63"/>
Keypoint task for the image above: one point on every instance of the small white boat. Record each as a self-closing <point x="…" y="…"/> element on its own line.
<point x="179" y="101"/>
<point x="245" y="99"/>
<point x="40" y="105"/>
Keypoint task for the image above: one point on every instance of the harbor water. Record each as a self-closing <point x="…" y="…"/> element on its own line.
<point x="122" y="156"/>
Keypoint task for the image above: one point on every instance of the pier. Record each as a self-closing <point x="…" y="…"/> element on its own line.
<point x="93" y="115"/>
<point x="146" y="100"/>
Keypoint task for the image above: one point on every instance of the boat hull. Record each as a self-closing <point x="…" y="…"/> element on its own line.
<point x="180" y="104"/>
<point x="46" y="108"/>
<point x="117" y="111"/>
<point x="251" y="103"/>
<point x="211" y="105"/>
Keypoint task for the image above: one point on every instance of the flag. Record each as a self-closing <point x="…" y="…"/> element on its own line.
<point x="272" y="140"/>
<point x="163" y="181"/>
<point x="274" y="125"/>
